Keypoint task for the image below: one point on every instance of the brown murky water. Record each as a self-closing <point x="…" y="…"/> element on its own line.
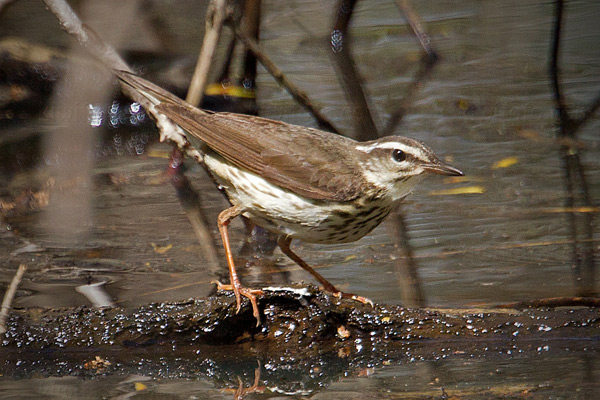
<point x="487" y="107"/>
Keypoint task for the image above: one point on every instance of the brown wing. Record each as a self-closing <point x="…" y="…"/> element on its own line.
<point x="285" y="154"/>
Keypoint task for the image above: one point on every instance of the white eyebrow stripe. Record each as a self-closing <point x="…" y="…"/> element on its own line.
<point x="417" y="152"/>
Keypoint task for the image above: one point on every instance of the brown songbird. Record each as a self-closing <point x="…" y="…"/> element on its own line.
<point x="301" y="183"/>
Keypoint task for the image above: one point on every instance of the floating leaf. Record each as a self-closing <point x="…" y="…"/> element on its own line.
<point x="530" y="134"/>
<point x="460" y="190"/>
<point x="158" y="154"/>
<point x="573" y="210"/>
<point x="161" y="249"/>
<point x="139" y="386"/>
<point x="505" y="163"/>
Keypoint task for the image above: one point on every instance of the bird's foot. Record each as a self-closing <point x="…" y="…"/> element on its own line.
<point x="238" y="291"/>
<point x="352" y="296"/>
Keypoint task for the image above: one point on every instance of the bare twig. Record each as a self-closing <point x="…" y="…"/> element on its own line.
<point x="559" y="99"/>
<point x="251" y="25"/>
<point x="299" y="95"/>
<point x="215" y="17"/>
<point x="428" y="61"/>
<point x="9" y="296"/>
<point x="416" y="23"/>
<point x="581" y="227"/>
<point x="364" y="124"/>
<point x="71" y="23"/>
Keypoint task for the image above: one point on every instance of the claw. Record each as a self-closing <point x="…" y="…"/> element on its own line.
<point x="250" y="294"/>
<point x="360" y="299"/>
<point x="363" y="300"/>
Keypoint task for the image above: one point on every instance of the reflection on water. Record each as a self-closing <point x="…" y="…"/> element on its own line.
<point x="488" y="100"/>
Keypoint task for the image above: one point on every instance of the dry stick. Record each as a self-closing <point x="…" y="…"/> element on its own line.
<point x="8" y="297"/>
<point x="71" y="23"/>
<point x="299" y="95"/>
<point x="215" y="17"/>
<point x="364" y="124"/>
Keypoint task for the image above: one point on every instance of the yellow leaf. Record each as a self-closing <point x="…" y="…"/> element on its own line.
<point x="161" y="249"/>
<point x="215" y="89"/>
<point x="505" y="163"/>
<point x="460" y="190"/>
<point x="158" y="154"/>
<point x="139" y="386"/>
<point x="573" y="210"/>
<point x="351" y="257"/>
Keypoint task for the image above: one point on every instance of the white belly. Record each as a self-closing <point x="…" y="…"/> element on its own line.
<point x="286" y="213"/>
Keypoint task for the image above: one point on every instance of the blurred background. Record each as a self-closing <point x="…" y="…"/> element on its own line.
<point x="85" y="197"/>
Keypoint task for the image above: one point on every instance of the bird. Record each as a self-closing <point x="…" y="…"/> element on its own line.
<point x="298" y="182"/>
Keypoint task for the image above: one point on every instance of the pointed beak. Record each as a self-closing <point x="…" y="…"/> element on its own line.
<point x="442" y="169"/>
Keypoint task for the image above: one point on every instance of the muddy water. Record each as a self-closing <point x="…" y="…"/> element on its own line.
<point x="487" y="108"/>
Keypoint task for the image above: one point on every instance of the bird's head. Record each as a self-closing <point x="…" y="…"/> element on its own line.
<point x="395" y="164"/>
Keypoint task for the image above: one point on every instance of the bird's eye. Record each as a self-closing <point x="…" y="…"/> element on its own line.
<point x="398" y="155"/>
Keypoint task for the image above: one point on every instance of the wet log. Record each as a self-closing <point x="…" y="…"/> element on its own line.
<point x="306" y="340"/>
<point x="292" y="318"/>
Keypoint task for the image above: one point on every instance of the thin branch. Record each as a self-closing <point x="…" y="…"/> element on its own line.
<point x="416" y="23"/>
<point x="428" y="61"/>
<point x="215" y="17"/>
<point x="364" y="123"/>
<point x="9" y="296"/>
<point x="87" y="38"/>
<point x="251" y="25"/>
<point x="559" y="100"/>
<point x="298" y="95"/>
<point x="581" y="227"/>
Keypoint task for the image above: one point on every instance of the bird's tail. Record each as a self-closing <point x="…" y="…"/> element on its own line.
<point x="154" y="93"/>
